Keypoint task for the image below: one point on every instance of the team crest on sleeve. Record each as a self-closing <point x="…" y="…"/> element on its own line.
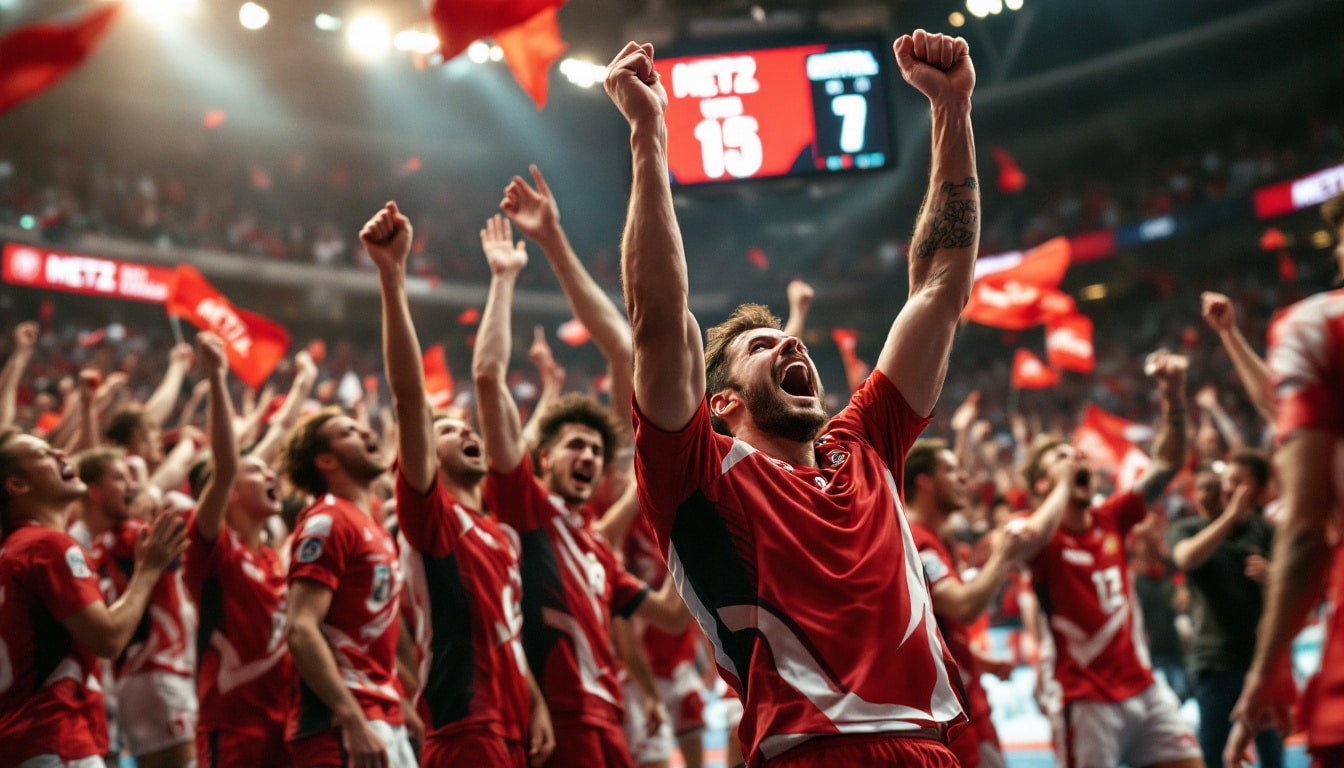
<point x="934" y="567"/>
<point x="317" y="525"/>
<point x="1111" y="544"/>
<point x="836" y="458"/>
<point x="74" y="558"/>
<point x="309" y="550"/>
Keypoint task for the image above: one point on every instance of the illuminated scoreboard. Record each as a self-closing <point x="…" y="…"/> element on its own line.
<point x="776" y="112"/>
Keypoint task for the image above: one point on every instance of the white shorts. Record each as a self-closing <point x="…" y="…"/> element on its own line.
<point x="156" y="711"/>
<point x="54" y="761"/>
<point x="1144" y="729"/>
<point x="398" y="741"/>
<point x="684" y="695"/>
<point x="643" y="747"/>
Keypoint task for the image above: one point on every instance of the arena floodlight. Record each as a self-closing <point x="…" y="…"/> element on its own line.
<point x="369" y="36"/>
<point x="326" y="22"/>
<point x="158" y="10"/>
<point x="582" y="73"/>
<point x="978" y="8"/>
<point x="496" y="53"/>
<point x="994" y="6"/>
<point x="253" y="16"/>
<point x="956" y="19"/>
<point x="1013" y="5"/>
<point x="478" y="52"/>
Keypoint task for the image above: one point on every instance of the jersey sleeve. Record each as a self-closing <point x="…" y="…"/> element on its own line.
<point x="1127" y="509"/>
<point x="628" y="592"/>
<point x="518" y="499"/>
<point x="423" y="517"/>
<point x="670" y="467"/>
<point x="318" y="552"/>
<point x="1306" y="363"/>
<point x="204" y="557"/>
<point x="879" y="415"/>
<point x="62" y="577"/>
<point x="933" y="556"/>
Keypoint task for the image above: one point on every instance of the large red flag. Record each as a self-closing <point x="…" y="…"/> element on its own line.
<point x="438" y="380"/>
<point x="36" y="57"/>
<point x="462" y="22"/>
<point x="1030" y="373"/>
<point x="530" y="49"/>
<point x="1068" y="343"/>
<point x="1025" y="294"/>
<point x="1109" y="442"/>
<point x="253" y="344"/>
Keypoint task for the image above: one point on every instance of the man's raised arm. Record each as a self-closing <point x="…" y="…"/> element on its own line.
<point x="669" y="354"/>
<point x="501" y="427"/>
<point x="947" y="232"/>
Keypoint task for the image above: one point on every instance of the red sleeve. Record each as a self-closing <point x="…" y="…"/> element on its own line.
<point x="518" y="499"/>
<point x="62" y="578"/>
<point x="423" y="517"/>
<point x="319" y="549"/>
<point x="1306" y="362"/>
<point x="879" y="415"/>
<point x="672" y="466"/>
<point x="627" y="592"/>
<point x="1128" y="509"/>
<point x="933" y="555"/>
<point x="204" y="557"/>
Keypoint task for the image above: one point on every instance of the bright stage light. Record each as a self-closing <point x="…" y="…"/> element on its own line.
<point x="326" y="22"/>
<point x="478" y="52"/>
<point x="978" y="8"/>
<point x="956" y="19"/>
<point x="994" y="6"/>
<point x="417" y="42"/>
<point x="253" y="16"/>
<point x="582" y="73"/>
<point x="163" y="9"/>
<point x="369" y="36"/>
<point x="496" y="53"/>
<point x="1013" y="5"/>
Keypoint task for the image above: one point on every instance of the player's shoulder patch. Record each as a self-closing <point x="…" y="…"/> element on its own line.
<point x="74" y="557"/>
<point x="316" y="525"/>
<point x="310" y="549"/>
<point x="934" y="567"/>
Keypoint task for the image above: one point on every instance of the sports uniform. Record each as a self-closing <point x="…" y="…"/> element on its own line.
<point x="51" y="701"/>
<point x="807" y="583"/>
<point x="464" y="592"/>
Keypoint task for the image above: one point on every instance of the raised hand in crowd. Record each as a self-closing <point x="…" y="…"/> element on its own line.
<point x="25" y="340"/>
<point x="1221" y="315"/>
<point x="800" y="296"/>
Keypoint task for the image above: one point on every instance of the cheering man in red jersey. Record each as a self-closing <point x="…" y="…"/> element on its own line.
<point x="344" y="591"/>
<point x="785" y="531"/>
<point x="481" y="704"/>
<point x="53" y="622"/>
<point x="237" y="580"/>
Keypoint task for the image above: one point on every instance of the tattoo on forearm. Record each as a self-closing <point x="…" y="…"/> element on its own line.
<point x="956" y="218"/>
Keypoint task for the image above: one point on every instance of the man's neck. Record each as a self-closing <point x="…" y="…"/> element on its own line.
<point x="1077" y="516"/>
<point x="356" y="493"/>
<point x="46" y="515"/>
<point x="795" y="452"/>
<point x="468" y="494"/>
<point x="246" y="528"/>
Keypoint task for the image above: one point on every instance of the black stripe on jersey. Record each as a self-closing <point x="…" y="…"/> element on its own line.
<point x="1042" y="589"/>
<point x="51" y="642"/>
<point x="715" y="573"/>
<point x="543" y="587"/>
<point x="127" y="566"/>
<point x="210" y="609"/>
<point x="314" y="715"/>
<point x="448" y="687"/>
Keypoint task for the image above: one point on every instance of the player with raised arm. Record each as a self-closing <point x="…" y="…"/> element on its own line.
<point x="572" y="585"/>
<point x="480" y="702"/>
<point x="237" y="579"/>
<point x="343" y="605"/>
<point x="785" y="532"/>
<point x="54" y="623"/>
<point x="1114" y="710"/>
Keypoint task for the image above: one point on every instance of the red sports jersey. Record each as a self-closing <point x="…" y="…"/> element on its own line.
<point x="939" y="566"/>
<point x="465" y="593"/>
<point x="666" y="652"/>
<point x="1306" y="362"/>
<point x="1082" y="582"/>
<point x="339" y="546"/>
<point x="806" y="580"/>
<point x="165" y="639"/>
<point x="571" y="588"/>
<point x="51" y="701"/>
<point x="246" y="673"/>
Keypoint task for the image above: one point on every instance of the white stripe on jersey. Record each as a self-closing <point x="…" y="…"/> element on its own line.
<point x="739" y="452"/>
<point x="577" y="564"/>
<point x="702" y="615"/>
<point x="589" y="672"/>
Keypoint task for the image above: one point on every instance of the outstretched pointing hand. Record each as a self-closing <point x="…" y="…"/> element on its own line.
<point x="939" y="66"/>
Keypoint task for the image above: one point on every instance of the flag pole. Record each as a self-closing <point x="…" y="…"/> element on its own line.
<point x="176" y="323"/>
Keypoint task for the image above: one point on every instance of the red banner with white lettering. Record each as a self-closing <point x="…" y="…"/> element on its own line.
<point x="1109" y="442"/>
<point x="1068" y="343"/>
<point x="1030" y="373"/>
<point x="36" y="57"/>
<point x="1026" y="294"/>
<point x="438" y="379"/>
<point x="253" y="344"/>
<point x="35" y="267"/>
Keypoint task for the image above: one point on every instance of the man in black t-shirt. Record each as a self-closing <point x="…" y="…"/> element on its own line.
<point x="1223" y="552"/>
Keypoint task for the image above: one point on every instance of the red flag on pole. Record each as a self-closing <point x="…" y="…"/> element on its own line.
<point x="462" y="22"/>
<point x="1030" y="373"/>
<point x="35" y="57"/>
<point x="438" y="380"/>
<point x="530" y="49"/>
<point x="1025" y="294"/>
<point x="253" y="344"/>
<point x="1068" y="343"/>
<point x="1109" y="442"/>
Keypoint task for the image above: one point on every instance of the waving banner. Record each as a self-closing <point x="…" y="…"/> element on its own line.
<point x="253" y="344"/>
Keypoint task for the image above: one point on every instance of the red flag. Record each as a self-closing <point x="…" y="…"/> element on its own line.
<point x="856" y="371"/>
<point x="758" y="258"/>
<point x="1025" y="294"/>
<point x="1011" y="177"/>
<point x="1030" y="373"/>
<point x="438" y="380"/>
<point x="573" y="333"/>
<point x="462" y="22"/>
<point x="253" y="344"/>
<point x="1068" y="343"/>
<point x="1109" y="442"/>
<point x="530" y="49"/>
<point x="36" y="57"/>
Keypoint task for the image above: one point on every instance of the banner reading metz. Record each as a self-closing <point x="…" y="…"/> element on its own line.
<point x="1026" y="293"/>
<point x="254" y="344"/>
<point x="1068" y="343"/>
<point x="1109" y="442"/>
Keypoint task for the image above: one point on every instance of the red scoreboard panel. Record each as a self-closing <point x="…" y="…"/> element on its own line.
<point x="776" y="112"/>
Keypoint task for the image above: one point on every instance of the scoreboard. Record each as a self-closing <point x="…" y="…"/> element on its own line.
<point x="776" y="112"/>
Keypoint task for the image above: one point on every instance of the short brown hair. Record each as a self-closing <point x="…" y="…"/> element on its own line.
<point x="922" y="460"/>
<point x="1332" y="211"/>
<point x="9" y="466"/>
<point x="718" y="377"/>
<point x="121" y="427"/>
<point x="92" y="464"/>
<point x="1031" y="468"/>
<point x="1254" y="461"/>
<point x="302" y="447"/>
<point x="578" y="408"/>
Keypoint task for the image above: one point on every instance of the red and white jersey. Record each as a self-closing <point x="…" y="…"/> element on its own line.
<point x="805" y="580"/>
<point x="1306" y="363"/>
<point x="666" y="652"/>
<point x="165" y="640"/>
<point x="246" y="674"/>
<point x="1082" y="581"/>
<point x="51" y="701"/>
<point x="338" y="545"/>
<point x="572" y="587"/>
<point x="465" y="594"/>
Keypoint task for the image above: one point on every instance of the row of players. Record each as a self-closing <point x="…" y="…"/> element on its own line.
<point x="832" y="611"/>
